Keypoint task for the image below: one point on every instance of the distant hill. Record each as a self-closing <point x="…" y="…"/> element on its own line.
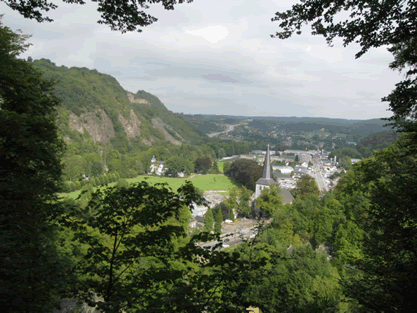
<point x="94" y="105"/>
<point x="356" y="128"/>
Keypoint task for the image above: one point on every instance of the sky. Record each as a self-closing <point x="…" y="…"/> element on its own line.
<point x="217" y="57"/>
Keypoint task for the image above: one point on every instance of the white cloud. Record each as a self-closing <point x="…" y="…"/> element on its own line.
<point x="212" y="34"/>
<point x="215" y="56"/>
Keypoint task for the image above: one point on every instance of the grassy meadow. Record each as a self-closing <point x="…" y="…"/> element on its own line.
<point x="220" y="166"/>
<point x="202" y="182"/>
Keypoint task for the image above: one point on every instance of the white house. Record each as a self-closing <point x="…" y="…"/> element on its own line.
<point x="157" y="167"/>
<point x="283" y="169"/>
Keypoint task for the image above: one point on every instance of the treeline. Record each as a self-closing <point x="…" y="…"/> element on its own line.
<point x="94" y="160"/>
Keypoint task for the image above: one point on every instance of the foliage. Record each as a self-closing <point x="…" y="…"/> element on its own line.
<point x="245" y="172"/>
<point x="244" y="201"/>
<point x="269" y="201"/>
<point x="202" y="165"/>
<point x="96" y="169"/>
<point x="122" y="183"/>
<point x="340" y="153"/>
<point x="33" y="272"/>
<point x="306" y="186"/>
<point x="208" y="221"/>
<point x="121" y="227"/>
<point x="215" y="168"/>
<point x="218" y="219"/>
<point x="226" y="166"/>
<point x="232" y="202"/>
<point x="389" y="222"/>
<point x="123" y="16"/>
<point x="376" y="141"/>
<point x="177" y="164"/>
<point x="346" y="163"/>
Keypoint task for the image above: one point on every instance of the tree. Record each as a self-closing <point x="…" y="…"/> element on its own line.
<point x="73" y="167"/>
<point x="388" y="221"/>
<point x="232" y="203"/>
<point x="270" y="200"/>
<point x="218" y="219"/>
<point x="208" y="221"/>
<point x="96" y="169"/>
<point x="245" y="172"/>
<point x="306" y="186"/>
<point x="376" y="141"/>
<point x="226" y="166"/>
<point x="215" y="168"/>
<point x="122" y="183"/>
<point x="202" y="165"/>
<point x="122" y="16"/>
<point x="346" y="163"/>
<point x="125" y="229"/>
<point x="340" y="153"/>
<point x="177" y="164"/>
<point x="222" y="153"/>
<point x="244" y="200"/>
<point x="372" y="25"/>
<point x="33" y="272"/>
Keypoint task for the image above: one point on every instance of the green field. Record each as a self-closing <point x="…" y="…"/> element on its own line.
<point x="203" y="182"/>
<point x="220" y="166"/>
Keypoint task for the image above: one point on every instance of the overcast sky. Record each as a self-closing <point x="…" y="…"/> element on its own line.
<point x="217" y="57"/>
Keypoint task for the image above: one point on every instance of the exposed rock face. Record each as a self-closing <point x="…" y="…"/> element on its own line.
<point x="132" y="99"/>
<point x="131" y="126"/>
<point x="99" y="129"/>
<point x="160" y="125"/>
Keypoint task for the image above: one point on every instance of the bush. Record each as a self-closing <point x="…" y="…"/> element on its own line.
<point x="122" y="183"/>
<point x="71" y="187"/>
<point x="66" y="186"/>
<point x="93" y="181"/>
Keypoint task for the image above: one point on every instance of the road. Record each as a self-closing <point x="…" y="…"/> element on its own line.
<point x="318" y="168"/>
<point x="229" y="129"/>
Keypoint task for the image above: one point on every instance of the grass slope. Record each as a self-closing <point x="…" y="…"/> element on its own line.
<point x="202" y="182"/>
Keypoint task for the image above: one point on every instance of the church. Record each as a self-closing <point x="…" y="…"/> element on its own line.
<point x="266" y="181"/>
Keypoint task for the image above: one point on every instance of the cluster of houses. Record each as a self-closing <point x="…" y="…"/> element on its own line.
<point x="158" y="167"/>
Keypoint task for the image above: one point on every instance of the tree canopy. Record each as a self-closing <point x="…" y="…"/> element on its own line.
<point x="245" y="172"/>
<point x="306" y="186"/>
<point x="123" y="15"/>
<point x="30" y="176"/>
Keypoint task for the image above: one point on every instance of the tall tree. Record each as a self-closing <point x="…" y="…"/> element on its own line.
<point x="306" y="186"/>
<point x="208" y="221"/>
<point x="232" y="202"/>
<point x="387" y="270"/>
<point x="244" y="201"/>
<point x="131" y="245"/>
<point x="30" y="173"/>
<point x="270" y="200"/>
<point x="245" y="172"/>
<point x="218" y="219"/>
<point x="202" y="165"/>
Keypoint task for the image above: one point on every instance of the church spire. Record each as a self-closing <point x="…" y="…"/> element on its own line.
<point x="267" y="166"/>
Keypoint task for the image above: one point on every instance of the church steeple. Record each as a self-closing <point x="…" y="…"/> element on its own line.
<point x="266" y="174"/>
<point x="267" y="166"/>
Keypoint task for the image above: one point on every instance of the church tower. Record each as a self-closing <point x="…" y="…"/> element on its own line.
<point x="266" y="179"/>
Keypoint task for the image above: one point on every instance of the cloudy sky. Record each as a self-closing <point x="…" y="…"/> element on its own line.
<point x="217" y="57"/>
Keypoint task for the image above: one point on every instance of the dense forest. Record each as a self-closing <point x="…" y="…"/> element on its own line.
<point x="130" y="248"/>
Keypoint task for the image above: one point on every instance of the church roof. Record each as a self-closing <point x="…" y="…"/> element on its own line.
<point x="266" y="174"/>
